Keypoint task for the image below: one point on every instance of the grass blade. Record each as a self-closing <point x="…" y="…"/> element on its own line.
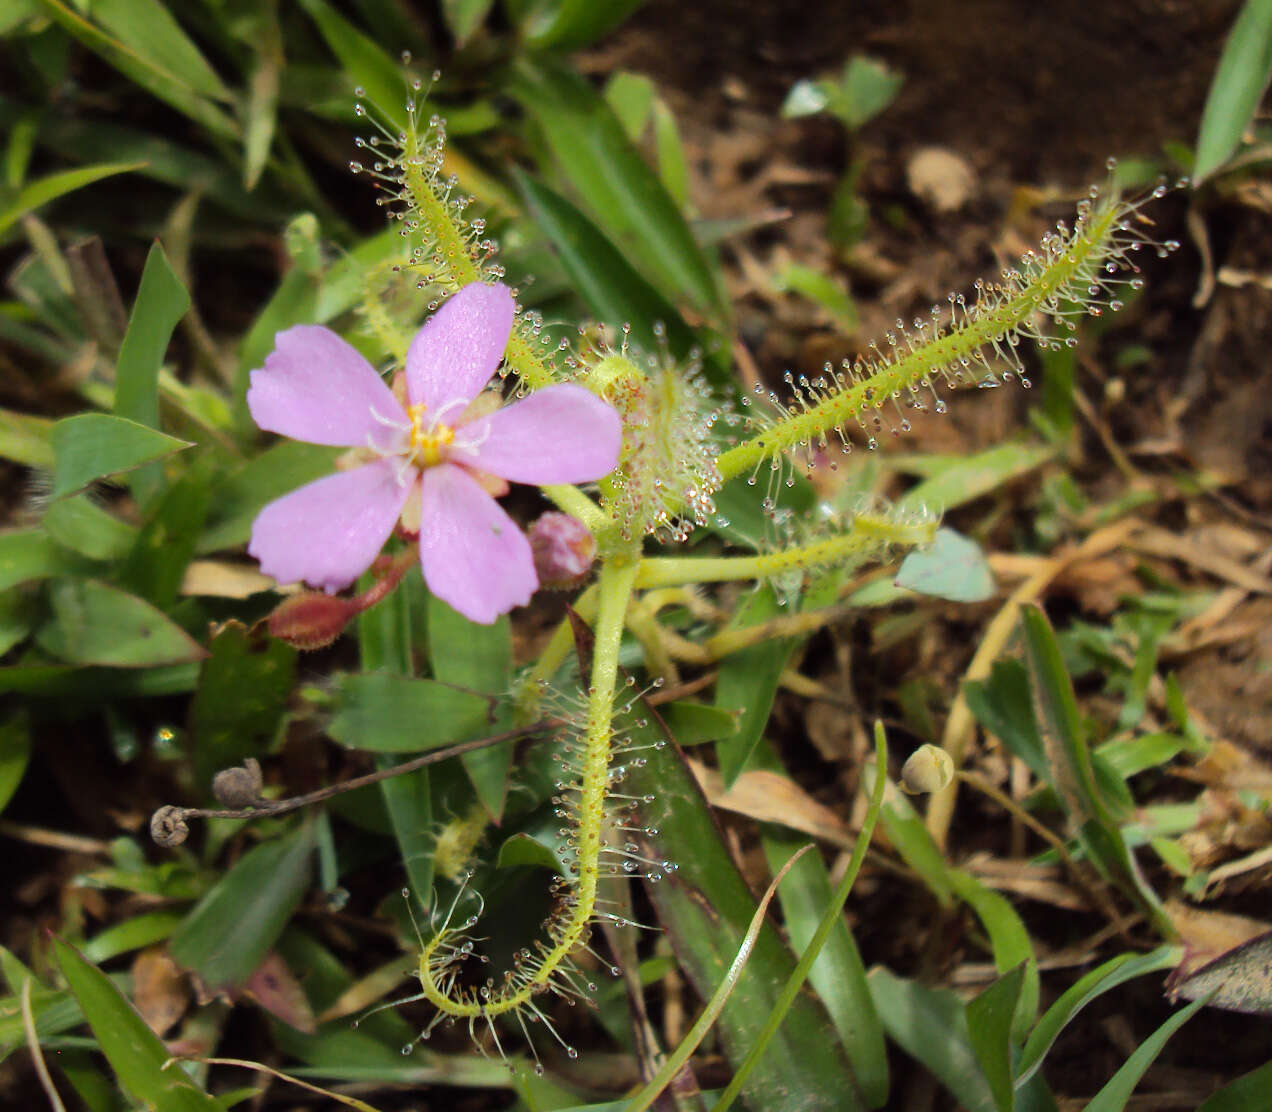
<point x="621" y="192"/>
<point x="1114" y="1095"/>
<point x="133" y="1050"/>
<point x="1237" y="88"/>
<point x="46" y="189"/>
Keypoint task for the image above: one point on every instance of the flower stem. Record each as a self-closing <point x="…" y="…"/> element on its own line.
<point x="577" y="504"/>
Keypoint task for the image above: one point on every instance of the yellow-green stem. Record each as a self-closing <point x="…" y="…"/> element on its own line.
<point x="865" y="535"/>
<point x="574" y="502"/>
<point x="614" y="591"/>
<point x="962" y="341"/>
<point x="463" y="268"/>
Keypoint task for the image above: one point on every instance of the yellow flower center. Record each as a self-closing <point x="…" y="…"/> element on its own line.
<point x="427" y="441"/>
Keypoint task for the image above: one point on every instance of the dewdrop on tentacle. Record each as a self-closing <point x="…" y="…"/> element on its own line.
<point x="1078" y="270"/>
<point x="667" y="477"/>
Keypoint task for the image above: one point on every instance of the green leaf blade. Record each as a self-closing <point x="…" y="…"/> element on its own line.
<point x="229" y="932"/>
<point x="94" y="623"/>
<point x="91" y="446"/>
<point x="1237" y="88"/>
<point x="133" y="1050"/>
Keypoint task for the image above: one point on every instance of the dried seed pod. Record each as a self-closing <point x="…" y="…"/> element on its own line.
<point x="239" y="786"/>
<point x="168" y="826"/>
<point x="929" y="769"/>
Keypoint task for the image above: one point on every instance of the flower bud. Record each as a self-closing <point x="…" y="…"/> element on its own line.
<point x="563" y="550"/>
<point x="311" y="619"/>
<point x="929" y="769"/>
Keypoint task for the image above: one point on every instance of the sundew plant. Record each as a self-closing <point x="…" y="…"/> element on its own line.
<point x="486" y="508"/>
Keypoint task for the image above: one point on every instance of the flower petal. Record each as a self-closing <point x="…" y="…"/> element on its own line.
<point x="474" y="556"/>
<point x="560" y="434"/>
<point x="316" y="387"/>
<point x="458" y="350"/>
<point x="328" y="532"/>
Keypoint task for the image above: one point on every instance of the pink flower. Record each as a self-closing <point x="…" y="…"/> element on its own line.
<point x="317" y="388"/>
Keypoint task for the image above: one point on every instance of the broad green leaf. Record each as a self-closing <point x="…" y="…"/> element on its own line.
<point x="952" y="481"/>
<point x="1252" y="1090"/>
<point x="262" y="92"/>
<point x="183" y="167"/>
<point x="132" y="934"/>
<point x="157" y="563"/>
<point x="1114" y="1096"/>
<point x="93" y="623"/>
<point x="91" y="1085"/>
<point x="476" y="658"/>
<point x="463" y="17"/>
<point x="17" y="155"/>
<point x="25" y="439"/>
<point x="41" y="192"/>
<point x="1073" y="772"/>
<point x="161" y="303"/>
<point x="69" y="682"/>
<point x="17" y="12"/>
<point x="150" y="30"/>
<point x="229" y="932"/>
<point x="631" y="96"/>
<point x="94" y="446"/>
<point x="694" y="723"/>
<point x="910" y="838"/>
<point x="865" y="89"/>
<point x="622" y="194"/>
<point x="242" y="697"/>
<point x="18" y="615"/>
<point x="951" y="567"/>
<point x="389" y="713"/>
<point x="30" y="554"/>
<point x="614" y="292"/>
<point x="572" y="24"/>
<point x="385" y="645"/>
<point x="672" y="168"/>
<point x="747" y="683"/>
<point x="134" y="1051"/>
<point x="1237" y="88"/>
<point x="1003" y="705"/>
<point x="930" y="1025"/>
<point x="989" y="1022"/>
<point x="1116" y="971"/>
<point x="158" y="77"/>
<point x="1010" y="942"/>
<point x="524" y="849"/>
<point x="83" y="526"/>
<point x="381" y="79"/>
<point x="15" y="751"/>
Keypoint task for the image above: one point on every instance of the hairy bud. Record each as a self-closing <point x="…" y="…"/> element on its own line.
<point x="311" y="619"/>
<point x="563" y="550"/>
